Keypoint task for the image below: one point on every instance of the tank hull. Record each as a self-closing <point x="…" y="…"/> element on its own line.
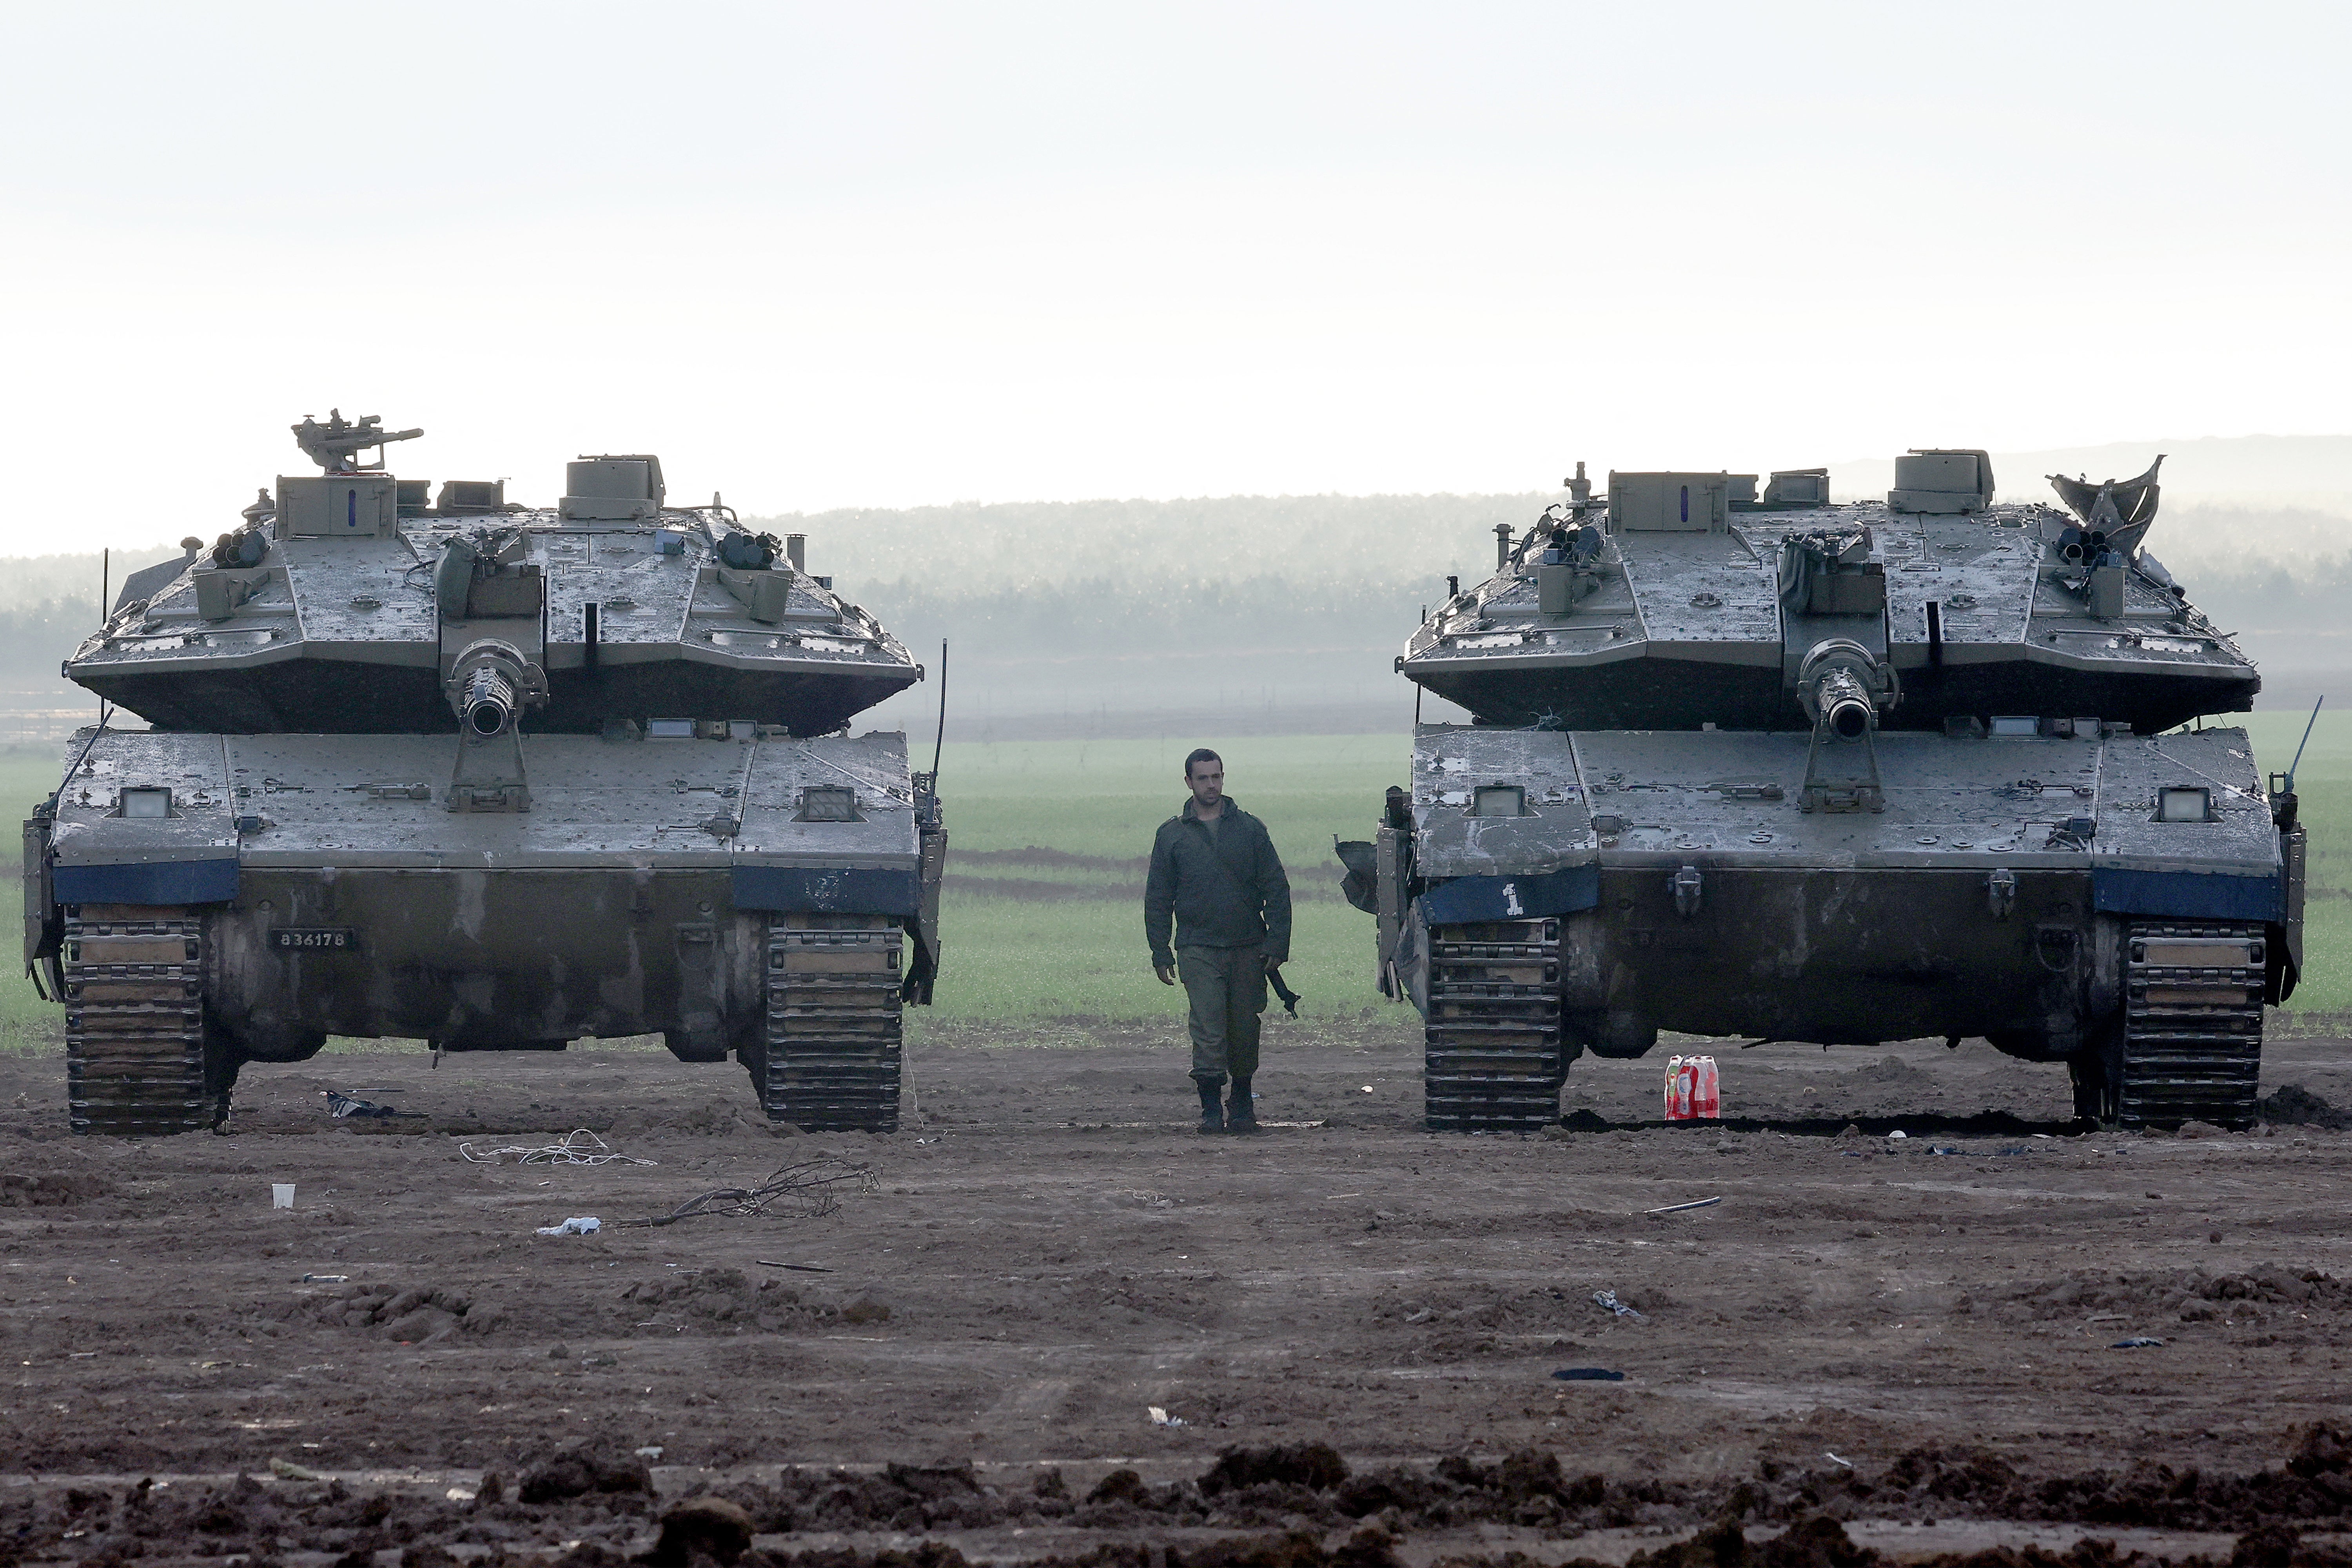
<point x="463" y="959"/>
<point x="308" y="886"/>
<point x="1541" y="894"/>
<point x="1840" y="956"/>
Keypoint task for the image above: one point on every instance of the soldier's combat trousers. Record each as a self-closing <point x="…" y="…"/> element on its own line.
<point x="1226" y="987"/>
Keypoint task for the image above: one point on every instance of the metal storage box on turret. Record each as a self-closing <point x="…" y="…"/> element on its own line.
<point x="1751" y="764"/>
<point x="488" y="777"/>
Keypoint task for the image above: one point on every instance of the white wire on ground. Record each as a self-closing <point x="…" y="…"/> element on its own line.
<point x="577" y="1147"/>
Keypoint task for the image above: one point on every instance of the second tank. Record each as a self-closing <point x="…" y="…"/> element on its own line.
<point x="1753" y="764"/>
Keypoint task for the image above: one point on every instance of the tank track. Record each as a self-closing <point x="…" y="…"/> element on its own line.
<point x="831" y="1056"/>
<point x="134" y="1023"/>
<point x="1493" y="1058"/>
<point x="2192" y="1023"/>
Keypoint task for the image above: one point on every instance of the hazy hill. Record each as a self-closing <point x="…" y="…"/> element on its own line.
<point x="2310" y="470"/>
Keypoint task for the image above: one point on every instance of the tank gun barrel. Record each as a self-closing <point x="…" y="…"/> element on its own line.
<point x="1844" y="685"/>
<point x="1842" y="698"/>
<point x="489" y="704"/>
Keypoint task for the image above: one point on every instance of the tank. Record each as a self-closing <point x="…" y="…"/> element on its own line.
<point x="490" y="776"/>
<point x="1750" y="764"/>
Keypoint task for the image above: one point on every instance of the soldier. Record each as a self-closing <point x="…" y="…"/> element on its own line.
<point x="1215" y="871"/>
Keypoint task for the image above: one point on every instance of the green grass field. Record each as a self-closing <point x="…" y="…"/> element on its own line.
<point x="1015" y="953"/>
<point x="1032" y="958"/>
<point x="1010" y="959"/>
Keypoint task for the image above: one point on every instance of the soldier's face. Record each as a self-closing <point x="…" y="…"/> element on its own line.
<point x="1208" y="782"/>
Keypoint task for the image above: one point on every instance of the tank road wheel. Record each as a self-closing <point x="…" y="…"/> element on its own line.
<point x="829" y="1062"/>
<point x="2192" y="1045"/>
<point x="1493" y="1059"/>
<point x="135" y="1032"/>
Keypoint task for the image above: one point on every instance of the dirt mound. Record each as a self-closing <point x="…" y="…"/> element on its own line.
<point x="1980" y="1484"/>
<point x="244" y="1516"/>
<point x="2292" y="1105"/>
<point x="690" y="1303"/>
<point x="1315" y="1466"/>
<point x="1287" y="1487"/>
<point x="1366" y="1548"/>
<point x="1526" y="1487"/>
<point x="727" y="1300"/>
<point x="900" y="1497"/>
<point x="1303" y="1495"/>
<point x="700" y="1527"/>
<point x="584" y="1471"/>
<point x="417" y="1315"/>
<point x="1815" y="1543"/>
<point x="2282" y="1546"/>
<point x="2191" y="1295"/>
<point x="51" y="1189"/>
<point x="2321" y="1449"/>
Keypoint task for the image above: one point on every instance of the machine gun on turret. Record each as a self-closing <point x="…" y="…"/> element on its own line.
<point x="335" y="444"/>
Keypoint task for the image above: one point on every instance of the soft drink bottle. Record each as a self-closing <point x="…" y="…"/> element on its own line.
<point x="1674" y="1077"/>
<point x="1706" y="1101"/>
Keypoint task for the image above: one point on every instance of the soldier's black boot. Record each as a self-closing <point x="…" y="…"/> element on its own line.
<point x="1212" y="1115"/>
<point x="1240" y="1110"/>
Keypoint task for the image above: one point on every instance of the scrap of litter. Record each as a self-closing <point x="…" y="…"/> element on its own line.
<point x="341" y="1105"/>
<point x="807" y="1189"/>
<point x="577" y="1147"/>
<point x="1681" y="1208"/>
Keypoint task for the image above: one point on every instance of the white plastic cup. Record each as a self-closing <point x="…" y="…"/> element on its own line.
<point x="281" y="1195"/>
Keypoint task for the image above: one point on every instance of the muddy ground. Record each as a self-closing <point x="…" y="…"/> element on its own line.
<point x="1918" y="1334"/>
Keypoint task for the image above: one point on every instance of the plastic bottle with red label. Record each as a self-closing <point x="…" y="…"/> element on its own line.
<point x="1694" y="1090"/>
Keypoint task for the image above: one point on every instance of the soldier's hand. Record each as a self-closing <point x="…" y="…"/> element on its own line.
<point x="1167" y="973"/>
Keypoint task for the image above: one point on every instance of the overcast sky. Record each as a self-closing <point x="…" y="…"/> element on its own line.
<point x="818" y="256"/>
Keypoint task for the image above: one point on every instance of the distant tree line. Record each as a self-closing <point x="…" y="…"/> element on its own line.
<point x="35" y="638"/>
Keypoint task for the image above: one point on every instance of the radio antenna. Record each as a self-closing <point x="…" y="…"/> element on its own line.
<point x="940" y="740"/>
<point x="2291" y="766"/>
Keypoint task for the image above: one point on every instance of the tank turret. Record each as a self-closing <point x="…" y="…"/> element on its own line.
<point x="341" y="602"/>
<point x="1673" y="600"/>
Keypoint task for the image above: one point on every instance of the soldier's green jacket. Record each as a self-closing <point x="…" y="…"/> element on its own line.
<point x="1225" y="891"/>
